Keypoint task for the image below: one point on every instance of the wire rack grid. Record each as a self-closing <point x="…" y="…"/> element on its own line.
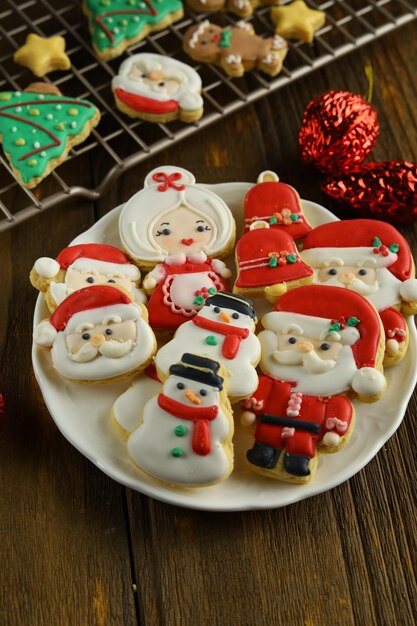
<point x="119" y="143"/>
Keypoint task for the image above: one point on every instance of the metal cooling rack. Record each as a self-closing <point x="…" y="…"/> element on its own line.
<point x="119" y="143"/>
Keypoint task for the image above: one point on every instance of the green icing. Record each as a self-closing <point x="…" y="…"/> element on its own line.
<point x="211" y="340"/>
<point x="291" y="258"/>
<point x="114" y="21"/>
<point x="353" y="321"/>
<point x="177" y="452"/>
<point x="31" y="140"/>
<point x="377" y="243"/>
<point x="180" y="430"/>
<point x="394" y="247"/>
<point x="273" y="262"/>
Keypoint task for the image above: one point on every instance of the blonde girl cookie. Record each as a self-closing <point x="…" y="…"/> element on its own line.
<point x="97" y="335"/>
<point x="178" y="230"/>
<point x="186" y="434"/>
<point x="224" y="330"/>
<point x="84" y="265"/>
<point x="158" y="88"/>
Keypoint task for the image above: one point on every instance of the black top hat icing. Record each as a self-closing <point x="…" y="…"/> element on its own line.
<point x="199" y="368"/>
<point x="227" y="300"/>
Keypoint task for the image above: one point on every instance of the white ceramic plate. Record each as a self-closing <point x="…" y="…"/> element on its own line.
<point x="82" y="412"/>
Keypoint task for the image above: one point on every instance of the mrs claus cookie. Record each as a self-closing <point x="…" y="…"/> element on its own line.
<point x="186" y="434"/>
<point x="317" y="344"/>
<point x="223" y="330"/>
<point x="236" y="49"/>
<point x="158" y="88"/>
<point x="84" y="265"/>
<point x="177" y="229"/>
<point x="97" y="335"/>
<point x="371" y="258"/>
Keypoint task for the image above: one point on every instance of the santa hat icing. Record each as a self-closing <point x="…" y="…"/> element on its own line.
<point x="278" y="204"/>
<point x="359" y="242"/>
<point x="198" y="368"/>
<point x="86" y="256"/>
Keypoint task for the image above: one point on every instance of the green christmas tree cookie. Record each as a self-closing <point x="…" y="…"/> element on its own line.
<point x="117" y="24"/>
<point x="38" y="130"/>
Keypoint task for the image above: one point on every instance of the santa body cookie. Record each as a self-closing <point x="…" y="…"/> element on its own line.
<point x="175" y="227"/>
<point x="186" y="434"/>
<point x="223" y="329"/>
<point x="236" y="49"/>
<point x="317" y="346"/>
<point x="84" y="265"/>
<point x="371" y="258"/>
<point x="158" y="88"/>
<point x="97" y="335"/>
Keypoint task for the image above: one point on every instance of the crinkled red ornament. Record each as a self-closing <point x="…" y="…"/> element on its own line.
<point x="385" y="190"/>
<point x="338" y="131"/>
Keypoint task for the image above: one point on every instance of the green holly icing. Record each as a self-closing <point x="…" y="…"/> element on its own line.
<point x="377" y="243"/>
<point x="211" y="340"/>
<point x="21" y="122"/>
<point x="199" y="300"/>
<point x="352" y="321"/>
<point x="294" y="217"/>
<point x="335" y="327"/>
<point x="212" y="291"/>
<point x="291" y="258"/>
<point x="273" y="220"/>
<point x="180" y="431"/>
<point x="177" y="452"/>
<point x="273" y="262"/>
<point x="394" y="247"/>
<point x="114" y="21"/>
<point x="225" y="39"/>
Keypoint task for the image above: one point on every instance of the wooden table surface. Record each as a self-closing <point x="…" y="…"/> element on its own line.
<point x="79" y="549"/>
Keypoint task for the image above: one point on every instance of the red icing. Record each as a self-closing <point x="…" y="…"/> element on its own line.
<point x="168" y="180"/>
<point x="361" y="233"/>
<point x="98" y="18"/>
<point x="201" y="416"/>
<point x="254" y="248"/>
<point x="96" y="251"/>
<point x="265" y="199"/>
<point x="84" y="300"/>
<point x="233" y="335"/>
<point x="393" y="321"/>
<point x="150" y="372"/>
<point x="146" y="105"/>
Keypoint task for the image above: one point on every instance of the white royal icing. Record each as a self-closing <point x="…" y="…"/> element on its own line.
<point x="46" y="267"/>
<point x="368" y="382"/>
<point x="408" y="290"/>
<point x="128" y="408"/>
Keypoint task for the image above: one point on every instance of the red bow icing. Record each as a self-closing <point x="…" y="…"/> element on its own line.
<point x="168" y="180"/>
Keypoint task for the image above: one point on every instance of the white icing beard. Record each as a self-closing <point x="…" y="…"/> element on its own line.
<point x="336" y="380"/>
<point x="310" y="361"/>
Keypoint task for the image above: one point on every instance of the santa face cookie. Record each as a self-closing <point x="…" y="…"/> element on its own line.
<point x="236" y="49"/>
<point x="317" y="346"/>
<point x="157" y="88"/>
<point x="371" y="258"/>
<point x="84" y="265"/>
<point x="223" y="329"/>
<point x="97" y="334"/>
<point x="186" y="434"/>
<point x="177" y="225"/>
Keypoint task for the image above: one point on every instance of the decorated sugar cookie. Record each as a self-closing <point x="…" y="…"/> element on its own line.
<point x="117" y="24"/>
<point x="223" y="330"/>
<point x="243" y="8"/>
<point x="127" y="411"/>
<point x="158" y="88"/>
<point x="42" y="54"/>
<point x="371" y="258"/>
<point x="39" y="128"/>
<point x="186" y="434"/>
<point x="276" y="203"/>
<point x="97" y="334"/>
<point x="236" y="49"/>
<point x="81" y="266"/>
<point x="268" y="263"/>
<point x="175" y="226"/>
<point x="318" y="344"/>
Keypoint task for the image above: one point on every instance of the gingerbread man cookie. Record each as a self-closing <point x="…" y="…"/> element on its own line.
<point x="236" y="49"/>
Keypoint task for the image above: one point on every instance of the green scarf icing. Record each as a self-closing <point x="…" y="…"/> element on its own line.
<point x="34" y="128"/>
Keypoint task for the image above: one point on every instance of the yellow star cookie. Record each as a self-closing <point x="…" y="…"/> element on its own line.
<point x="297" y="21"/>
<point x="43" y="55"/>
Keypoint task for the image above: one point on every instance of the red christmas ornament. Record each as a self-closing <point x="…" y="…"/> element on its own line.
<point x="338" y="131"/>
<point x="385" y="190"/>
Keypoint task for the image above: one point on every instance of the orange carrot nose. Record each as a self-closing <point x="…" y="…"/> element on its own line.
<point x="304" y="346"/>
<point x="192" y="397"/>
<point x="225" y="317"/>
<point x="97" y="340"/>
<point x="347" y="278"/>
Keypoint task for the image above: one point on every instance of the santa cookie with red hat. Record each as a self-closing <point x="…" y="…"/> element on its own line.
<point x="319" y="344"/>
<point x="371" y="258"/>
<point x="84" y="265"/>
<point x="97" y="334"/>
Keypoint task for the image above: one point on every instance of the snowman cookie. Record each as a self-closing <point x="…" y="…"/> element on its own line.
<point x="223" y="329"/>
<point x="185" y="438"/>
<point x="97" y="335"/>
<point x="84" y="265"/>
<point x="236" y="49"/>
<point x="178" y="230"/>
<point x="157" y="88"/>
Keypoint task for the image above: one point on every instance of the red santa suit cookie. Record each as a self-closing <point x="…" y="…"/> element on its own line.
<point x="158" y="88"/>
<point x="317" y="345"/>
<point x="97" y="335"/>
<point x="84" y="265"/>
<point x="186" y="434"/>
<point x="371" y="258"/>
<point x="174" y="226"/>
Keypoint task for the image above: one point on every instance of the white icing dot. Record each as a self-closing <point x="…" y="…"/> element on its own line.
<point x="135" y="18"/>
<point x="49" y="116"/>
<point x="14" y="129"/>
<point x="17" y="93"/>
<point x="115" y="30"/>
<point x="34" y="130"/>
<point x="41" y="96"/>
<point x="58" y="107"/>
<point x="73" y="124"/>
<point x="18" y="109"/>
<point x="110" y="20"/>
<point x="43" y="153"/>
<point x="36" y="144"/>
